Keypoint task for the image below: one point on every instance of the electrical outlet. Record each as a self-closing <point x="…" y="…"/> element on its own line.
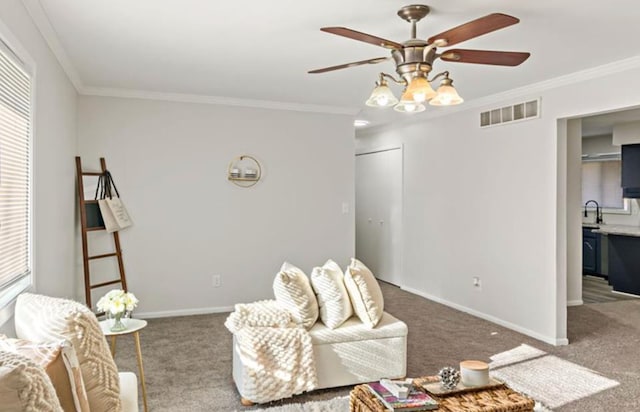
<point x="476" y="282"/>
<point x="217" y="281"/>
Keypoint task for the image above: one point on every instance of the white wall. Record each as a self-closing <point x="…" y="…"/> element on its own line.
<point x="574" y="217"/>
<point x="594" y="145"/>
<point x="626" y="133"/>
<point x="54" y="147"/>
<point x="490" y="195"/>
<point x="170" y="161"/>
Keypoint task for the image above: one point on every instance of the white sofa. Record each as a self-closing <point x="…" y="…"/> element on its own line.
<point x="350" y="354"/>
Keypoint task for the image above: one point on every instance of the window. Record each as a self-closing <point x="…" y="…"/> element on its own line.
<point x="15" y="176"/>
<point x="601" y="181"/>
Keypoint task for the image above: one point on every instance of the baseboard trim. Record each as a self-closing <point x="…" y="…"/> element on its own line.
<point x="577" y="302"/>
<point x="498" y="321"/>
<point x="183" y="312"/>
<point x="624" y="294"/>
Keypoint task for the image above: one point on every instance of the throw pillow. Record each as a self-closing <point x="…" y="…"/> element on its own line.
<point x="24" y="386"/>
<point x="43" y="318"/>
<point x="59" y="361"/>
<point x="365" y="293"/>
<point x="293" y="291"/>
<point x="333" y="298"/>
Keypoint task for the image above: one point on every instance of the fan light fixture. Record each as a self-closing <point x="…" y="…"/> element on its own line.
<point x="417" y="91"/>
<point x="447" y="94"/>
<point x="381" y="96"/>
<point x="408" y="104"/>
<point x="415" y="58"/>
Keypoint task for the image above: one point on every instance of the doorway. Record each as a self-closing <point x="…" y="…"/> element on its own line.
<point x="379" y="212"/>
<point x="590" y="155"/>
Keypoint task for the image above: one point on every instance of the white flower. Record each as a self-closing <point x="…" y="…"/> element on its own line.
<point x="117" y="301"/>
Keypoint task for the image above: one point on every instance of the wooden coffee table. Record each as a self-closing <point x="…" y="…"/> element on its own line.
<point x="497" y="399"/>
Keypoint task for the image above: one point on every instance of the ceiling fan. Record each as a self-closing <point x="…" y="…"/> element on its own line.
<point x="415" y="57"/>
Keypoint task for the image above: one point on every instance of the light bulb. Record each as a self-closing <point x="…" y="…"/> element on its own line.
<point x="419" y="97"/>
<point x="419" y="90"/>
<point x="382" y="100"/>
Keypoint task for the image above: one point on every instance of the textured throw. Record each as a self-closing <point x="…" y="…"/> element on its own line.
<point x="277" y="353"/>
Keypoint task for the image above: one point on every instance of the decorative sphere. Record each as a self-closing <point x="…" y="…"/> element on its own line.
<point x="449" y="377"/>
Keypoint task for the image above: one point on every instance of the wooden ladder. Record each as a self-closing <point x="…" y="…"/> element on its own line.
<point x="93" y="226"/>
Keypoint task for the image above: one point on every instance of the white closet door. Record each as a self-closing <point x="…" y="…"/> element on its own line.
<point x="379" y="213"/>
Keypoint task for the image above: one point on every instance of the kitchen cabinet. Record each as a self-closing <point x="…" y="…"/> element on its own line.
<point x="591" y="261"/>
<point x="624" y="263"/>
<point x="631" y="170"/>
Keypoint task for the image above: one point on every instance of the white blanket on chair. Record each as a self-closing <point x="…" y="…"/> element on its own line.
<point x="276" y="352"/>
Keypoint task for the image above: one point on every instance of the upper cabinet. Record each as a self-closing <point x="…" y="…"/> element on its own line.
<point x="631" y="171"/>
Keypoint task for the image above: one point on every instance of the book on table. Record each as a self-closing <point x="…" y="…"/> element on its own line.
<point x="417" y="400"/>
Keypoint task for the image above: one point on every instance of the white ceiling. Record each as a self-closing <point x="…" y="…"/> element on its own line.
<point x="602" y="124"/>
<point x="262" y="50"/>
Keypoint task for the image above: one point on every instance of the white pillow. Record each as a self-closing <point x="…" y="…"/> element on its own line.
<point x="365" y="293"/>
<point x="25" y="386"/>
<point x="333" y="298"/>
<point x="293" y="291"/>
<point x="42" y="318"/>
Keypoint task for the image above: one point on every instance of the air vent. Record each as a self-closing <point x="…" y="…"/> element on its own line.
<point x="510" y="114"/>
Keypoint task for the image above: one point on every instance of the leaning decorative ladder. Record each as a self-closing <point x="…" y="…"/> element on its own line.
<point x="89" y="226"/>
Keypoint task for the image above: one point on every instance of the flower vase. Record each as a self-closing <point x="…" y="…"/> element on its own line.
<point x="117" y="324"/>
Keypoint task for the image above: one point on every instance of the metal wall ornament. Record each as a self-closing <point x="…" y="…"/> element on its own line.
<point x="244" y="171"/>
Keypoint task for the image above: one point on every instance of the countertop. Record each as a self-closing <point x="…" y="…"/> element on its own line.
<point x="622" y="230"/>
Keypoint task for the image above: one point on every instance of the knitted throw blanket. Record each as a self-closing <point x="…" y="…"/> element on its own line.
<point x="277" y="353"/>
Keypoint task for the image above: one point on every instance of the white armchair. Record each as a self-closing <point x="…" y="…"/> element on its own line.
<point x="41" y="318"/>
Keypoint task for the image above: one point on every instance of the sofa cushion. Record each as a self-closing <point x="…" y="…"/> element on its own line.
<point x="59" y="361"/>
<point x="365" y="293"/>
<point x="354" y="330"/>
<point x="25" y="386"/>
<point x="333" y="299"/>
<point x="293" y="291"/>
<point x="43" y="318"/>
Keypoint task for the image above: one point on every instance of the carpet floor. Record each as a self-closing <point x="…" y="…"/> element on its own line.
<point x="187" y="360"/>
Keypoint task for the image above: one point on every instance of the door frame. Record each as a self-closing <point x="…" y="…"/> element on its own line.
<point x="388" y="148"/>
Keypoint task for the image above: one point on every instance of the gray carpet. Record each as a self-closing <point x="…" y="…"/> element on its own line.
<point x="188" y="359"/>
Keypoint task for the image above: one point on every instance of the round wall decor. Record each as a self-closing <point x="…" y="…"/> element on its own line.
<point x="244" y="171"/>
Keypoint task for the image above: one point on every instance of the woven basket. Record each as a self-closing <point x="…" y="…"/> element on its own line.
<point x="500" y="399"/>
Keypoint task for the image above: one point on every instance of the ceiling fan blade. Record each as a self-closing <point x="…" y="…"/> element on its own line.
<point x="344" y="66"/>
<point x="367" y="38"/>
<point x="474" y="28"/>
<point x="498" y="58"/>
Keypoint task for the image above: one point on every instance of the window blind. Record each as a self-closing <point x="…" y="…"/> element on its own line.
<point x="15" y="179"/>
<point x="601" y="181"/>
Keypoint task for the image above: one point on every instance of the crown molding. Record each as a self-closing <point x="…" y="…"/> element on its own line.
<point x="533" y="89"/>
<point x="218" y="100"/>
<point x="41" y="20"/>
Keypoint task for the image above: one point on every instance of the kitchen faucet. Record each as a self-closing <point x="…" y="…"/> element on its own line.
<point x="598" y="210"/>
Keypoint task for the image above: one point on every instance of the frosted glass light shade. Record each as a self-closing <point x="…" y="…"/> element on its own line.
<point x="408" y="105"/>
<point x="381" y="96"/>
<point x="421" y="90"/>
<point x="447" y="96"/>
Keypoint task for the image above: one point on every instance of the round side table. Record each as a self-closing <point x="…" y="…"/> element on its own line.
<point x="134" y="326"/>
